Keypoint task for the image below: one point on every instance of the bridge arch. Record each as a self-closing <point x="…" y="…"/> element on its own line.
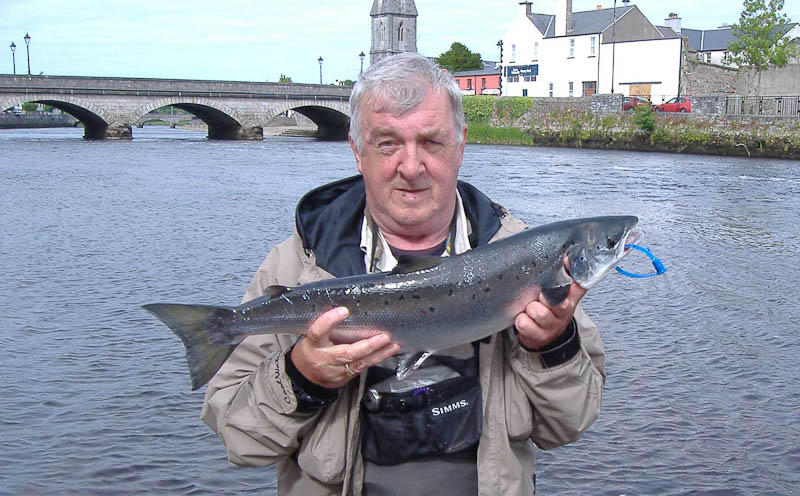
<point x="95" y="123"/>
<point x="223" y="122"/>
<point x="332" y="118"/>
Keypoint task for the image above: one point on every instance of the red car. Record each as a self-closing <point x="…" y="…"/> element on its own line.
<point x="677" y="104"/>
<point x="631" y="102"/>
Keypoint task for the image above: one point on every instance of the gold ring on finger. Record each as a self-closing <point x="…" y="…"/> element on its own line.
<point x="348" y="370"/>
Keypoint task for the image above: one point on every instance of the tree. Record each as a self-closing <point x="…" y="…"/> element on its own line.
<point x="459" y="58"/>
<point x="760" y="40"/>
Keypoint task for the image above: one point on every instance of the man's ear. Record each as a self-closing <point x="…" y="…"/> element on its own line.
<point x="355" y="152"/>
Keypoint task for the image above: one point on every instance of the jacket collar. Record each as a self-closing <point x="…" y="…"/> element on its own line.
<point x="328" y="220"/>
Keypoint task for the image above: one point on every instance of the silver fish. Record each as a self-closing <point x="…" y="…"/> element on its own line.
<point x="427" y="304"/>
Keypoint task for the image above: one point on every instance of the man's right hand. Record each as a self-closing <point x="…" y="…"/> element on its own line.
<point x="323" y="362"/>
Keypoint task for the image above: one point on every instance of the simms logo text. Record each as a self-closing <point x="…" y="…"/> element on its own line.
<point x="436" y="411"/>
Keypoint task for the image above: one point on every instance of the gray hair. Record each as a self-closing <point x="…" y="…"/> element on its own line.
<point x="399" y="83"/>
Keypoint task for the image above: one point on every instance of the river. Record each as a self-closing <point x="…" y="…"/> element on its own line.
<point x="703" y="389"/>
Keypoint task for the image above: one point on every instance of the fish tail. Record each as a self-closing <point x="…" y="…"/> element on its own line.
<point x="195" y="324"/>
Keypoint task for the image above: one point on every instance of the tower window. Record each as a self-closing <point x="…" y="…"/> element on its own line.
<point x="400" y="32"/>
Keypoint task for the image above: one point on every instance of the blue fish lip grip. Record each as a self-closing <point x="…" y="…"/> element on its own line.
<point x="657" y="264"/>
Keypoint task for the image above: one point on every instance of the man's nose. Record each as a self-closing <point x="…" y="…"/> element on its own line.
<point x="411" y="162"/>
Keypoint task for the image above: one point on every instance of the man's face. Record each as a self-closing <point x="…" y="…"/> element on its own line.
<point x="410" y="166"/>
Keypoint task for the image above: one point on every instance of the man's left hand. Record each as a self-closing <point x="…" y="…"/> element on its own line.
<point x="540" y="323"/>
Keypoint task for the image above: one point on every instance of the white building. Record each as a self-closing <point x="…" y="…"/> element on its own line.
<point x="582" y="53"/>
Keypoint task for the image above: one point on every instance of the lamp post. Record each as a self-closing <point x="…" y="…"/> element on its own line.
<point x="614" y="42"/>
<point x="320" y="69"/>
<point x="28" y="49"/>
<point x="14" y="57"/>
<point x="361" y="56"/>
<point x="500" y="46"/>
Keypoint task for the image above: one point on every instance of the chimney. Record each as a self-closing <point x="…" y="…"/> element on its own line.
<point x="599" y="7"/>
<point x="527" y="7"/>
<point x="563" y="17"/>
<point x="673" y="22"/>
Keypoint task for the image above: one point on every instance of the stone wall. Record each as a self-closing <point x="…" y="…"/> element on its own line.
<point x="784" y="81"/>
<point x="30" y="120"/>
<point x="699" y="78"/>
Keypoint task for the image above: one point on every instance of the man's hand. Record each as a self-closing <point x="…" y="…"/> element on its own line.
<point x="323" y="362"/>
<point x="540" y="323"/>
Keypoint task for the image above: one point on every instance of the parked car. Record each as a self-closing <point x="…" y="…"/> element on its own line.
<point x="677" y="104"/>
<point x="631" y="102"/>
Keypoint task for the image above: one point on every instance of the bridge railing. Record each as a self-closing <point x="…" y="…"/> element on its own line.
<point x="164" y="93"/>
<point x="785" y="106"/>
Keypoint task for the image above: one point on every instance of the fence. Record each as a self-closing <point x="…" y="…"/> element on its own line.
<point x="783" y="106"/>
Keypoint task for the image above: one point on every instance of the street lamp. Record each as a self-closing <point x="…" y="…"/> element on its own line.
<point x="320" y="69"/>
<point x="361" y="56"/>
<point x="28" y="49"/>
<point x="614" y="42"/>
<point x="14" y="57"/>
<point x="500" y="46"/>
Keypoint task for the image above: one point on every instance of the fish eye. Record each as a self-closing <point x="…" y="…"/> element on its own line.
<point x="611" y="243"/>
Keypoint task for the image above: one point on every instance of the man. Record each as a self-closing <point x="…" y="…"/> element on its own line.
<point x="333" y="416"/>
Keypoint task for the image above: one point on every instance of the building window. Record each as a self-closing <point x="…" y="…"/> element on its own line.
<point x="535" y="50"/>
<point x="524" y="92"/>
<point x="513" y="52"/>
<point x="551" y="89"/>
<point x="529" y="79"/>
<point x="593" y="48"/>
<point x="483" y="83"/>
<point x="571" y="88"/>
<point x="469" y="84"/>
<point x="708" y="57"/>
<point x="400" y="32"/>
<point x="572" y="48"/>
<point x="513" y="79"/>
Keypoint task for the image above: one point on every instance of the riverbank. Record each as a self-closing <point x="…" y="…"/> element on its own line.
<point x="640" y="131"/>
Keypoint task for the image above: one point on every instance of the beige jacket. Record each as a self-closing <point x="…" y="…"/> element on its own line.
<point x="251" y="406"/>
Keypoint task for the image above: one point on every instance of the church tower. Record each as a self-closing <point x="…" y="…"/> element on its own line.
<point x="394" y="28"/>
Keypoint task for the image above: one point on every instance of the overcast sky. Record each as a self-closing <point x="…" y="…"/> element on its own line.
<point x="248" y="40"/>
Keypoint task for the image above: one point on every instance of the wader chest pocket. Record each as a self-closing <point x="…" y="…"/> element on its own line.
<point x="444" y="419"/>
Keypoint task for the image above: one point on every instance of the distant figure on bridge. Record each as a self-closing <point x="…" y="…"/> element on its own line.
<point x="334" y="416"/>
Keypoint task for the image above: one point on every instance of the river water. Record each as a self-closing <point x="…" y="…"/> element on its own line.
<point x="703" y="389"/>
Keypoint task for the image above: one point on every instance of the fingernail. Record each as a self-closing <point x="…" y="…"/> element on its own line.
<point x="344" y="311"/>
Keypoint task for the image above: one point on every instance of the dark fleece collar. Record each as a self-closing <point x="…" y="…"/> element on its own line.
<point x="328" y="220"/>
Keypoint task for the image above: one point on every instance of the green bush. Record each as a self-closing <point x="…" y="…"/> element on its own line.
<point x="645" y="118"/>
<point x="512" y="107"/>
<point x="478" y="108"/>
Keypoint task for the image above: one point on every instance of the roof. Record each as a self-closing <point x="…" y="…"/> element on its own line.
<point x="667" y="32"/>
<point x="713" y="40"/>
<point x="399" y="7"/>
<point x="586" y="22"/>
<point x="708" y="40"/>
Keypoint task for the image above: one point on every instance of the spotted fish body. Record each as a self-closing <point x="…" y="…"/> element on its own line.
<point x="427" y="305"/>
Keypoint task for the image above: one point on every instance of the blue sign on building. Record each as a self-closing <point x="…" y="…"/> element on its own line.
<point x="522" y="70"/>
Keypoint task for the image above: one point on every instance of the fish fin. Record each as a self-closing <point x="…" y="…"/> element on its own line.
<point x="410" y="362"/>
<point x="196" y="325"/>
<point x="276" y="290"/>
<point x="408" y="264"/>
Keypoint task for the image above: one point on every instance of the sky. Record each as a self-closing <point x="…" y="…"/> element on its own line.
<point x="247" y="40"/>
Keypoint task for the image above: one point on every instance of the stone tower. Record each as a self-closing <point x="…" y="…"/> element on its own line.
<point x="394" y="28"/>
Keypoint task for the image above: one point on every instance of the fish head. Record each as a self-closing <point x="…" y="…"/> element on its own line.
<point x="599" y="244"/>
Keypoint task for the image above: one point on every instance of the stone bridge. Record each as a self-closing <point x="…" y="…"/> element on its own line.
<point x="108" y="107"/>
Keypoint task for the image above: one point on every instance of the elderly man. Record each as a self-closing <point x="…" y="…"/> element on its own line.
<point x="333" y="416"/>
